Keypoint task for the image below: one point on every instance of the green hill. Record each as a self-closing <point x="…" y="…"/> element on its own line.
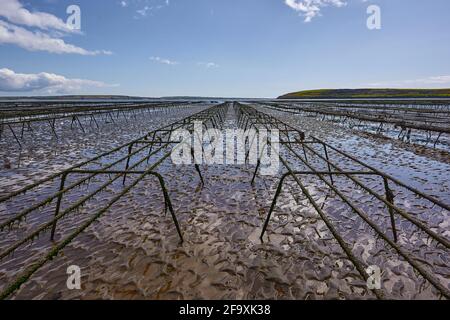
<point x="367" y="93"/>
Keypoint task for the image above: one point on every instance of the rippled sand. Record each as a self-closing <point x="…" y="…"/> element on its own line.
<point x="43" y="153"/>
<point x="423" y="168"/>
<point x="133" y="251"/>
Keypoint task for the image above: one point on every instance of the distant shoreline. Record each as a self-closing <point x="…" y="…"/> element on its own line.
<point x="73" y="97"/>
<point x="311" y="95"/>
<point x="369" y="94"/>
<point x="114" y="98"/>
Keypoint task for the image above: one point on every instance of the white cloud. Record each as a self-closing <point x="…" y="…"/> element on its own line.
<point x="11" y="81"/>
<point x="37" y="31"/>
<point x="144" y="8"/>
<point x="39" y="41"/>
<point x="143" y="11"/>
<point x="164" y="61"/>
<point x="431" y="81"/>
<point x="14" y="12"/>
<point x="208" y="64"/>
<point x="310" y="9"/>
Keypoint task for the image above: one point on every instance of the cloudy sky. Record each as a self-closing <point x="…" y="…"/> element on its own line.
<point x="233" y="48"/>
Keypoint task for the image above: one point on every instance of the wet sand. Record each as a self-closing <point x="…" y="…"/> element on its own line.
<point x="423" y="168"/>
<point x="133" y="251"/>
<point x="43" y="153"/>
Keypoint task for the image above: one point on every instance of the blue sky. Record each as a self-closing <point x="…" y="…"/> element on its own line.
<point x="228" y="48"/>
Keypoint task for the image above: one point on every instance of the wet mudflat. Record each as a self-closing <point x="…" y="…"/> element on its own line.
<point x="424" y="168"/>
<point x="44" y="153"/>
<point x="133" y="251"/>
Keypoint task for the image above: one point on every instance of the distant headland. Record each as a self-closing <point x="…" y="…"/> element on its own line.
<point x="367" y="94"/>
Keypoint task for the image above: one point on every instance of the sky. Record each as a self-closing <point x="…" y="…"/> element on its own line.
<point x="222" y="48"/>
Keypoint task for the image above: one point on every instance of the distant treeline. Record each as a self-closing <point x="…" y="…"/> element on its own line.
<point x="367" y="93"/>
<point x="74" y="97"/>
